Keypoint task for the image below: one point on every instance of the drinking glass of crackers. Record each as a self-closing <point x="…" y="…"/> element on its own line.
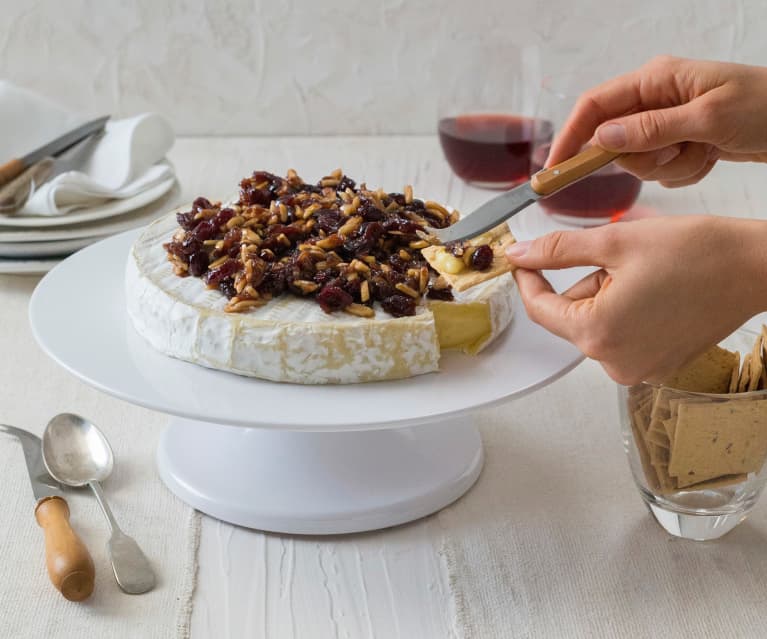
<point x="697" y="443"/>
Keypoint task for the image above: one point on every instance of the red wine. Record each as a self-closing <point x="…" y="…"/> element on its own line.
<point x="492" y="149"/>
<point x="606" y="194"/>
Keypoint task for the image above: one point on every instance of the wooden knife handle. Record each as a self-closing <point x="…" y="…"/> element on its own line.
<point x="10" y="170"/>
<point x="15" y="193"/>
<point x="560" y="175"/>
<point x="69" y="563"/>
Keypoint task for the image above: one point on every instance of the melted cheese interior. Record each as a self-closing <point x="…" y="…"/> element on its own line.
<point x="464" y="326"/>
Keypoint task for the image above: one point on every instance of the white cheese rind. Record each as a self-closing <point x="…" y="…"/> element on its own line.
<point x="289" y="339"/>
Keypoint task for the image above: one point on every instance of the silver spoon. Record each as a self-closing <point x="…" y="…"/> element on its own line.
<point x="76" y="453"/>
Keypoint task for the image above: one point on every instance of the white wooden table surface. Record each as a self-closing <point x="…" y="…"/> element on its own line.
<point x="382" y="584"/>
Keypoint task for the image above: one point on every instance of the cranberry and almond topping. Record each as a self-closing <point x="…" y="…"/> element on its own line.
<point x="344" y="245"/>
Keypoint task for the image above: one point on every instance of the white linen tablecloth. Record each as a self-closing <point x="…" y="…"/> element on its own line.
<point x="33" y="389"/>
<point x="555" y="541"/>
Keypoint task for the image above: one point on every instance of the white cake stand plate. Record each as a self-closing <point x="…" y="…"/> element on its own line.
<point x="319" y="483"/>
<point x="283" y="457"/>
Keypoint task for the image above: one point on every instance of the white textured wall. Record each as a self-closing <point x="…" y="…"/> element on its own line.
<point x="337" y="66"/>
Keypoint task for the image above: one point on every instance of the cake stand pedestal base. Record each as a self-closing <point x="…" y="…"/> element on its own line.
<point x="319" y="482"/>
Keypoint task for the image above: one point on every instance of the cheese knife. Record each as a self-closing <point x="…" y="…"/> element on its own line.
<point x="15" y="193"/>
<point x="16" y="166"/>
<point x="69" y="563"/>
<point x="544" y="183"/>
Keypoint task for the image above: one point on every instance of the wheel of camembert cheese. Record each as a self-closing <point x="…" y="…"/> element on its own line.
<point x="291" y="338"/>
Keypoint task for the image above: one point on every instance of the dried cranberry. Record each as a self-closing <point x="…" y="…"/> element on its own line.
<point x="275" y="280"/>
<point x="440" y="293"/>
<point x="223" y="216"/>
<point x="482" y="257"/>
<point x="226" y="286"/>
<point x="232" y="239"/>
<point x="201" y="203"/>
<point x="204" y="230"/>
<point x="328" y="220"/>
<point x="354" y="288"/>
<point x="191" y="245"/>
<point x="399" y="305"/>
<point x="227" y="269"/>
<point x="324" y="276"/>
<point x="416" y="206"/>
<point x="403" y="225"/>
<point x="198" y="263"/>
<point x="366" y="239"/>
<point x="175" y="248"/>
<point x="251" y="195"/>
<point x="399" y="198"/>
<point x="370" y="212"/>
<point x="398" y="264"/>
<point x="264" y="176"/>
<point x="333" y="298"/>
<point x="380" y="288"/>
<point x="186" y="220"/>
<point x="346" y="183"/>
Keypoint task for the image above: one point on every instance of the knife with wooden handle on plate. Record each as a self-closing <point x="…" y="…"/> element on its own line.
<point x="16" y="166"/>
<point x="70" y="566"/>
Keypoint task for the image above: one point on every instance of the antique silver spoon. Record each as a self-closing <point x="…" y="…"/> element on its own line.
<point x="76" y="453"/>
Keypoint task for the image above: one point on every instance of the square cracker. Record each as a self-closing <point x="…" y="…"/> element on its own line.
<point x="640" y="412"/>
<point x="757" y="366"/>
<point x="470" y="277"/>
<point x="745" y="374"/>
<point x="667" y="483"/>
<point x="659" y="412"/>
<point x="709" y="373"/>
<point x="644" y="458"/>
<point x="715" y="439"/>
<point x="735" y="375"/>
<point x="670" y="423"/>
<point x="718" y="482"/>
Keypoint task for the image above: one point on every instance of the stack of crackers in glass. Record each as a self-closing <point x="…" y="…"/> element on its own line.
<point x="703" y="428"/>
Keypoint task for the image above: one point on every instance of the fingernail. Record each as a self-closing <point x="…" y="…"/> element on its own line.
<point x="612" y="136"/>
<point x="518" y="249"/>
<point x="666" y="155"/>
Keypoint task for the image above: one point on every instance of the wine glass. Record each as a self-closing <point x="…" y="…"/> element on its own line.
<point x="602" y="197"/>
<point x="485" y="118"/>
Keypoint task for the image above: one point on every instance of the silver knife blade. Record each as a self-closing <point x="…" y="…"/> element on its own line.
<point x="43" y="485"/>
<point x="65" y="141"/>
<point x="489" y="215"/>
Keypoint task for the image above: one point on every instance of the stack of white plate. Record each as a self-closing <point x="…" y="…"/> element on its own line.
<point x="32" y="245"/>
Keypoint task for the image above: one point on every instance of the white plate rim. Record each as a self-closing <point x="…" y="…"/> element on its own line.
<point x="109" y="209"/>
<point x="132" y="219"/>
<point x="27" y="267"/>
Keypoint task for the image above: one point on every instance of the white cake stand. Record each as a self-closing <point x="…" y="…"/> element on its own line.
<point x="284" y="457"/>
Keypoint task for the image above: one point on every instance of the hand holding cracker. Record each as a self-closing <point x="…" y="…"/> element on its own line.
<point x="661" y="293"/>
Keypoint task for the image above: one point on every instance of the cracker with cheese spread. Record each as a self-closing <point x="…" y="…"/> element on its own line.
<point x="454" y="262"/>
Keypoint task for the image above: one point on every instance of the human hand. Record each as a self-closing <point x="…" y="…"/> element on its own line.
<point x="674" y="117"/>
<point x="666" y="290"/>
